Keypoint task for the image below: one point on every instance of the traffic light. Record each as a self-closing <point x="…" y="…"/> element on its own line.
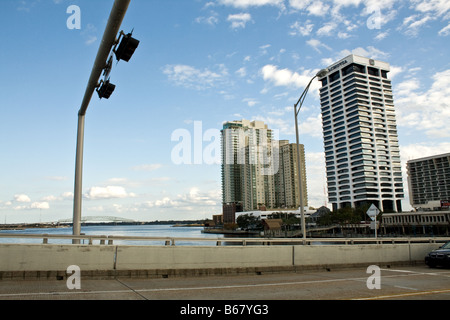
<point x="127" y="47"/>
<point x="106" y="89"/>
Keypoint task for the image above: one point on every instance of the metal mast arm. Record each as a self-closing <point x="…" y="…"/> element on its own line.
<point x="116" y="17"/>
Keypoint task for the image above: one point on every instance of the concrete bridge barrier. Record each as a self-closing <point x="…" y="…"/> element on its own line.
<point x="22" y="261"/>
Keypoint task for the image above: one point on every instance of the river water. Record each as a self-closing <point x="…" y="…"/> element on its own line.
<point x="120" y="230"/>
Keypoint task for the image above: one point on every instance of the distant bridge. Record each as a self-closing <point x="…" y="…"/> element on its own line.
<point x="99" y="219"/>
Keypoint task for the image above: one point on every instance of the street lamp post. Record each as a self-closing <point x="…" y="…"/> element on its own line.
<point x="116" y="17"/>
<point x="297" y="107"/>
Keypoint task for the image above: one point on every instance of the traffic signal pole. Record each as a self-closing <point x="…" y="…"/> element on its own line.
<point x="116" y="17"/>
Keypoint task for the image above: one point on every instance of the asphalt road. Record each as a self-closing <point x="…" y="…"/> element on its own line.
<point x="396" y="283"/>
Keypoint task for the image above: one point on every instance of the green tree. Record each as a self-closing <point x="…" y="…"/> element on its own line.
<point x="345" y="215"/>
<point x="247" y="221"/>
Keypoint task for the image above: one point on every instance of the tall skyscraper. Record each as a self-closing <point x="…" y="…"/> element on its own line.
<point x="286" y="181"/>
<point x="246" y="159"/>
<point x="257" y="170"/>
<point x="429" y="181"/>
<point x="360" y="135"/>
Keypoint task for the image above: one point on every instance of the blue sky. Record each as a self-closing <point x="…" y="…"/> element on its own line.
<point x="199" y="63"/>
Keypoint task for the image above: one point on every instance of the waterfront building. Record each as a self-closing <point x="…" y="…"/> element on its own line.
<point x="286" y="180"/>
<point x="258" y="171"/>
<point x="429" y="182"/>
<point x="433" y="223"/>
<point x="360" y="135"/>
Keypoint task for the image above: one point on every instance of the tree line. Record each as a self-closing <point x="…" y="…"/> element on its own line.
<point x="326" y="217"/>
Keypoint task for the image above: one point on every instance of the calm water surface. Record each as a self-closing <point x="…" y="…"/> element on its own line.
<point x="140" y="231"/>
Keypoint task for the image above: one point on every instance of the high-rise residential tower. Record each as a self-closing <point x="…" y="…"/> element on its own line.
<point x="247" y="158"/>
<point x="360" y="135"/>
<point x="286" y="181"/>
<point x="258" y="171"/>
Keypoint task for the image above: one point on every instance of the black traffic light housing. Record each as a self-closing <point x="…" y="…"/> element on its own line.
<point x="124" y="48"/>
<point x="127" y="47"/>
<point x="106" y="89"/>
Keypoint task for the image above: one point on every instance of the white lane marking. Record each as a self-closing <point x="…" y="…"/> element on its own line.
<point x="189" y="288"/>
<point x="407" y="273"/>
<point x="407" y="288"/>
<point x="444" y="273"/>
<point x="406" y="294"/>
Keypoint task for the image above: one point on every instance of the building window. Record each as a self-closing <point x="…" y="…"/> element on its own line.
<point x="335" y="76"/>
<point x="373" y="71"/>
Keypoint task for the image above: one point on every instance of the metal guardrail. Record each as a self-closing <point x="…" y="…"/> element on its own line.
<point x="170" y="241"/>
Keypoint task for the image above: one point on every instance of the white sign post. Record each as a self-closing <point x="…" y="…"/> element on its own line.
<point x="373" y="213"/>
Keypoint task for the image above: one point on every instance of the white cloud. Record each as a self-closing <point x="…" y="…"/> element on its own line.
<point x="427" y="111"/>
<point x="382" y="35"/>
<point x="284" y="125"/>
<point x="428" y="10"/>
<point x="211" y="20"/>
<point x="346" y="3"/>
<point x="370" y="52"/>
<point x="40" y="205"/>
<point x="67" y="195"/>
<point x="299" y="4"/>
<point x="194" y="197"/>
<point x="22" y="198"/>
<point x="315" y="175"/>
<point x="316" y="45"/>
<point x="50" y="198"/>
<point x="239" y="20"/>
<point x="264" y="48"/>
<point x="286" y="77"/>
<point x="110" y="192"/>
<point x="304" y="30"/>
<point x="378" y="11"/>
<point x="343" y="35"/>
<point x="29" y="206"/>
<point x="412" y="24"/>
<point x="318" y="8"/>
<point x="63" y="196"/>
<point x="395" y="70"/>
<point x="190" y="77"/>
<point x="445" y="31"/>
<point x="242" y="72"/>
<point x="312" y="126"/>
<point x="437" y="7"/>
<point x="250" y="102"/>
<point x="252" y="3"/>
<point x="328" y="29"/>
<point x="372" y="6"/>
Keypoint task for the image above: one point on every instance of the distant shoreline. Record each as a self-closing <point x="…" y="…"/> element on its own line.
<point x="235" y="232"/>
<point x="24" y="226"/>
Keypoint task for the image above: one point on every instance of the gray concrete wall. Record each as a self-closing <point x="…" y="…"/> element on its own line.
<point x="45" y="258"/>
<point x="135" y="258"/>
<point x="36" y="257"/>
<point x="360" y="254"/>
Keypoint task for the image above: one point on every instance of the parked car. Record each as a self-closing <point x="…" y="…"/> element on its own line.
<point x="439" y="257"/>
